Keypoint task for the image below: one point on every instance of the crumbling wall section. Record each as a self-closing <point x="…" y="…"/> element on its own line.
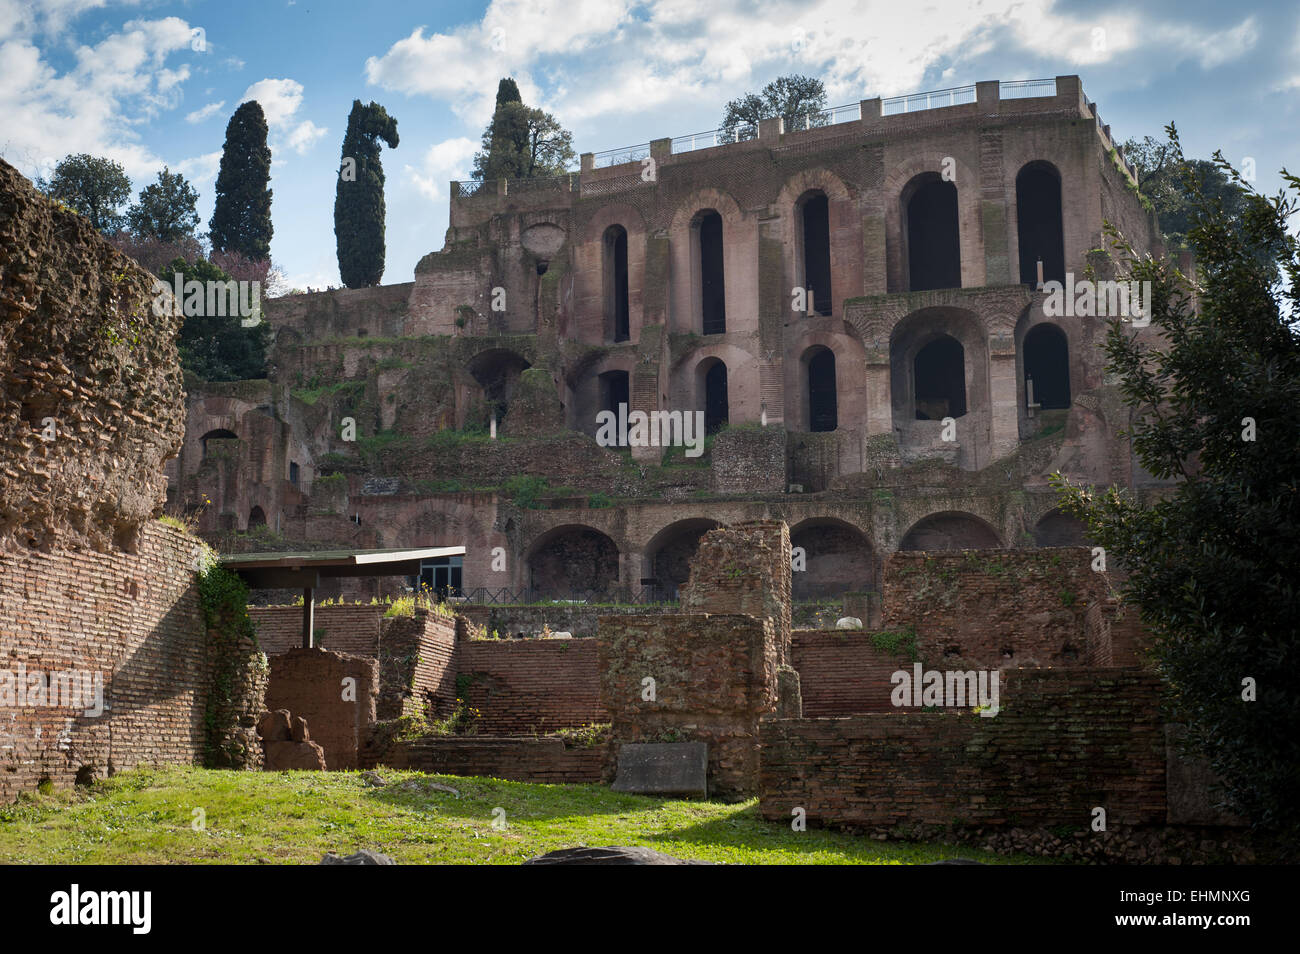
<point x="91" y="399"/>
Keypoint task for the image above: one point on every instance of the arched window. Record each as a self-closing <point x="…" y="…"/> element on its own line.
<point x="616" y="303"/>
<point x="715" y="396"/>
<point x="939" y="376"/>
<point x="220" y="434"/>
<point x="822" y="401"/>
<point x="713" y="290"/>
<point x="933" y="239"/>
<point x="256" y="518"/>
<point x="1039" y="223"/>
<point x="816" y="234"/>
<point x="1047" y="367"/>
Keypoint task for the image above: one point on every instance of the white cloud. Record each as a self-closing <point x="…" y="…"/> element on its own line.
<point x="280" y="99"/>
<point x="304" y="136"/>
<point x="441" y="163"/>
<point x="201" y="114"/>
<point x="94" y="106"/>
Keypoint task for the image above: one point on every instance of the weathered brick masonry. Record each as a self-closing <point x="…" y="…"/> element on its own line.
<point x="841" y="672"/>
<point x="1065" y="742"/>
<point x="417" y="665"/>
<point x="91" y="405"/>
<point x="972" y="606"/>
<point x="133" y="618"/>
<point x="341" y="628"/>
<point x="522" y="687"/>
<point x="549" y="761"/>
<point x="310" y="683"/>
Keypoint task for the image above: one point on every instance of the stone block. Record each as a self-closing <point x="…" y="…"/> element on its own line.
<point x="663" y="768"/>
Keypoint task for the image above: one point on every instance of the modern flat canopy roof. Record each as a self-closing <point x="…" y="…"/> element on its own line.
<point x="305" y="570"/>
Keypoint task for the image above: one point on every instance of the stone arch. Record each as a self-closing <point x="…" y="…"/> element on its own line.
<point x="217" y="434"/>
<point x="1040" y="222"/>
<point x="1059" y="529"/>
<point x="256" y="518"/>
<point x="668" y="554"/>
<point x="931" y="233"/>
<point x="965" y="177"/>
<point x="817" y="369"/>
<point x="717" y="246"/>
<point x="951" y="530"/>
<point x="586" y="387"/>
<point x="838" y="558"/>
<point x="496" y="371"/>
<point x="712" y="394"/>
<point x="918" y="331"/>
<point x="687" y="379"/>
<point x="1045" y="359"/>
<point x="826" y="271"/>
<point x="572" y="561"/>
<point x="614" y="283"/>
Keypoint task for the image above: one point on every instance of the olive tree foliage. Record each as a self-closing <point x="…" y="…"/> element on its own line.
<point x="1213" y="391"/>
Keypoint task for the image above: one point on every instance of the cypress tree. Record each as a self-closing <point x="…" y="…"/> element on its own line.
<point x="359" y="195"/>
<point x="241" y="218"/>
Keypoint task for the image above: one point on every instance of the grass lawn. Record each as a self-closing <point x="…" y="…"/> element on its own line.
<point x="148" y="816"/>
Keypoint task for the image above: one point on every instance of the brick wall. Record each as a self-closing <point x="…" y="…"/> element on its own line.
<point x="972" y="606"/>
<point x="530" y="686"/>
<point x="714" y="675"/>
<point x="744" y="569"/>
<point x="1114" y="635"/>
<point x="841" y="672"/>
<point x="749" y="460"/>
<point x="310" y="683"/>
<point x="417" y="666"/>
<point x="1066" y="741"/>
<point x="134" y="618"/>
<point x="521" y="760"/>
<point x="347" y="628"/>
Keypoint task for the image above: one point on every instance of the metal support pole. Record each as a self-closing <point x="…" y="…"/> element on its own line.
<point x="308" y="616"/>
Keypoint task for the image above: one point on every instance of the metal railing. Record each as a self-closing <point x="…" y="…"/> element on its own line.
<point x="916" y="102"/>
<point x="1027" y="89"/>
<point x="505" y="596"/>
<point x="714" y="137"/>
<point x="617" y="157"/>
<point x="825" y="117"/>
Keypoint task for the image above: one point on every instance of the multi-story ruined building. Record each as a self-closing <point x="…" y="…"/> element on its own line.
<point x="853" y="304"/>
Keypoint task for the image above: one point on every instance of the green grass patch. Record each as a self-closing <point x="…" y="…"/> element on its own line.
<point x="146" y="816"/>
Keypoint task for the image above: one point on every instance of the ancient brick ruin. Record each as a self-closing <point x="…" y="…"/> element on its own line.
<point x="552" y="300"/>
<point x="106" y="659"/>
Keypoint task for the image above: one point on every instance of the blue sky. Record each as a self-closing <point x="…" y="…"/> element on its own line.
<point x="122" y="79"/>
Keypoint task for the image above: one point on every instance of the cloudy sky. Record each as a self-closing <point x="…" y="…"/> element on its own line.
<point x="127" y="79"/>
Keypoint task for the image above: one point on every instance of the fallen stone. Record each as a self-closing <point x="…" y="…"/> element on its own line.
<point x="612" y="855"/>
<point x="300" y="733"/>
<point x="284" y="756"/>
<point x="363" y="857"/>
<point x="848" y="622"/>
<point x="275" y="726"/>
<point x="372" y="779"/>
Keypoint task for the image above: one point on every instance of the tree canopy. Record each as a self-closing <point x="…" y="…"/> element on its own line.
<point x="1161" y="173"/>
<point x="166" y="210"/>
<point x="241" y="217"/>
<point x="359" y="195"/>
<point x="216" y="347"/>
<point x="92" y="186"/>
<point x="521" y="142"/>
<point x="789" y="97"/>
<point x="1211" y="563"/>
